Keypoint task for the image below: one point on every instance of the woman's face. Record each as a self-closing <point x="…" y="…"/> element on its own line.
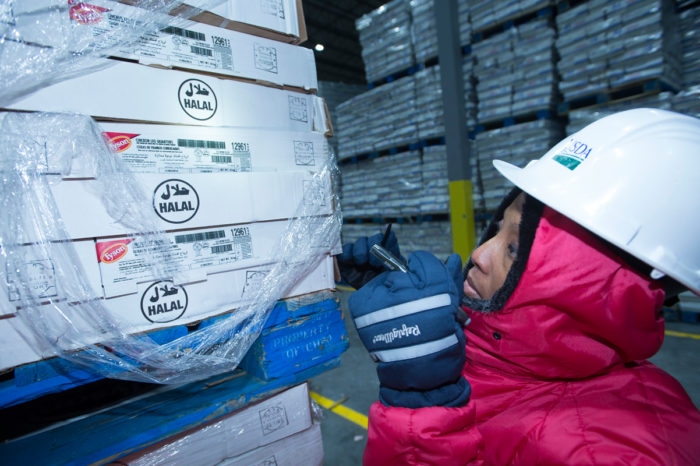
<point x="493" y="259"/>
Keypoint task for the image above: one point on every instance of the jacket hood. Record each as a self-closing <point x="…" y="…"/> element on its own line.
<point x="576" y="310"/>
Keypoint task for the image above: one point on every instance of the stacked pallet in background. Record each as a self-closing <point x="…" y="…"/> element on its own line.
<point x="516" y="144"/>
<point x="400" y="185"/>
<point x="378" y="119"/>
<point x="587" y="115"/>
<point x="389" y="186"/>
<point x="202" y="154"/>
<point x="334" y="94"/>
<point x="471" y="105"/>
<point x="604" y="46"/>
<point x="690" y="43"/>
<point x="688" y="100"/>
<point x="515" y="71"/>
<point x="423" y="32"/>
<point x="465" y="40"/>
<point x="385" y="37"/>
<point x="434" y="236"/>
<point x="465" y="22"/>
<point x="399" y="124"/>
<point x="485" y="14"/>
<point x="534" y="70"/>
<point x="430" y="116"/>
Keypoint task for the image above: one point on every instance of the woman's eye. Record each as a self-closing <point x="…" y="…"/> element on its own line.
<point x="512" y="250"/>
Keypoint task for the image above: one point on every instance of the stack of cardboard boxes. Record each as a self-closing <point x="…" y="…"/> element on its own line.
<point x="224" y="135"/>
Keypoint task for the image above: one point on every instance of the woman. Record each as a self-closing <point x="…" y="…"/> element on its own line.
<point x="564" y="294"/>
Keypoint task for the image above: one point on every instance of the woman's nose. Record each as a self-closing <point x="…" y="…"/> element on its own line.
<point x="480" y="256"/>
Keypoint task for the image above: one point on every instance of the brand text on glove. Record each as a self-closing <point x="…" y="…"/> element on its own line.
<point x="395" y="333"/>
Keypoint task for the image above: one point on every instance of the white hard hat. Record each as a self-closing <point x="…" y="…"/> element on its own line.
<point x="632" y="178"/>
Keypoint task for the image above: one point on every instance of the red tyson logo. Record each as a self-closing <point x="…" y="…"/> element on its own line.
<point x="112" y="251"/>
<point x="84" y="13"/>
<point x="119" y="142"/>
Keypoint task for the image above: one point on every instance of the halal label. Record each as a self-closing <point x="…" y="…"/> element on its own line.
<point x="197" y="99"/>
<point x="163" y="302"/>
<point x="175" y="201"/>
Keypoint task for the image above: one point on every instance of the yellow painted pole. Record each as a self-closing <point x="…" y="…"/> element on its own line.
<point x="462" y="217"/>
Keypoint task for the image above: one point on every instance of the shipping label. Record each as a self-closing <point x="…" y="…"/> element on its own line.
<point x="273" y="418"/>
<point x="187" y="48"/>
<point x="170" y="45"/>
<point x="30" y="280"/>
<point x="144" y="154"/>
<point x="298" y="110"/>
<point x="130" y="259"/>
<point x="272" y="7"/>
<point x="304" y="153"/>
<point x="265" y="58"/>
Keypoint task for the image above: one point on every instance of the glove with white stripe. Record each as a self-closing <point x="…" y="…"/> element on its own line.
<point x="411" y="323"/>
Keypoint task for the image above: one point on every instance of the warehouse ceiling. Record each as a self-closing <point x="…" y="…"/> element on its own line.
<point x="332" y="24"/>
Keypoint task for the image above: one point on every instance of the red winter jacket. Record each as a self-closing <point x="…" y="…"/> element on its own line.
<point x="558" y="376"/>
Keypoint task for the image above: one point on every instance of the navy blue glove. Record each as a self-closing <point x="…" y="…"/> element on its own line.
<point x="357" y="266"/>
<point x="411" y="323"/>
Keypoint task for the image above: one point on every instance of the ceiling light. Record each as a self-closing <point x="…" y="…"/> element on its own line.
<point x="319" y="47"/>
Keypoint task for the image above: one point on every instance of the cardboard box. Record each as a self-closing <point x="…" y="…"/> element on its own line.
<point x="163" y="303"/>
<point x="195" y="149"/>
<point x="147" y="148"/>
<point x="266" y="423"/>
<point x="183" y="201"/>
<point x="193" y="255"/>
<point x="170" y="42"/>
<point x="301" y="449"/>
<point x="130" y="91"/>
<point x="155" y="306"/>
<point x="281" y="20"/>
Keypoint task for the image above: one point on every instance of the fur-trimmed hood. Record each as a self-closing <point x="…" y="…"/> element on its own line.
<point x="573" y="311"/>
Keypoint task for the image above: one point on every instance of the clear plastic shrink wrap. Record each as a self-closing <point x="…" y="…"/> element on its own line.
<point x="49" y="294"/>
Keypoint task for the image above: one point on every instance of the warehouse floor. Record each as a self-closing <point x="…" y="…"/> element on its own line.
<point x="354" y="385"/>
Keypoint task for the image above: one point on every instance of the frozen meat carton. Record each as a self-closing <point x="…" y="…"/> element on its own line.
<point x="195" y="149"/>
<point x="133" y="92"/>
<point x="90" y="208"/>
<point x="160" y="39"/>
<point x="194" y="255"/>
<point x="158" y="304"/>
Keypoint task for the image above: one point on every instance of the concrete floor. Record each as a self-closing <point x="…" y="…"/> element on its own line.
<point x="355" y="384"/>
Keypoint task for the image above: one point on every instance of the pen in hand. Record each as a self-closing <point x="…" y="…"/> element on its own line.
<point x="389" y="261"/>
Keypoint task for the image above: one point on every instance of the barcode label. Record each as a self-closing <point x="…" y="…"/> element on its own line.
<point x="194" y="143"/>
<point x="221" y="249"/>
<point x="192" y="237"/>
<point x="185" y="33"/>
<point x="221" y="158"/>
<point x="201" y="51"/>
